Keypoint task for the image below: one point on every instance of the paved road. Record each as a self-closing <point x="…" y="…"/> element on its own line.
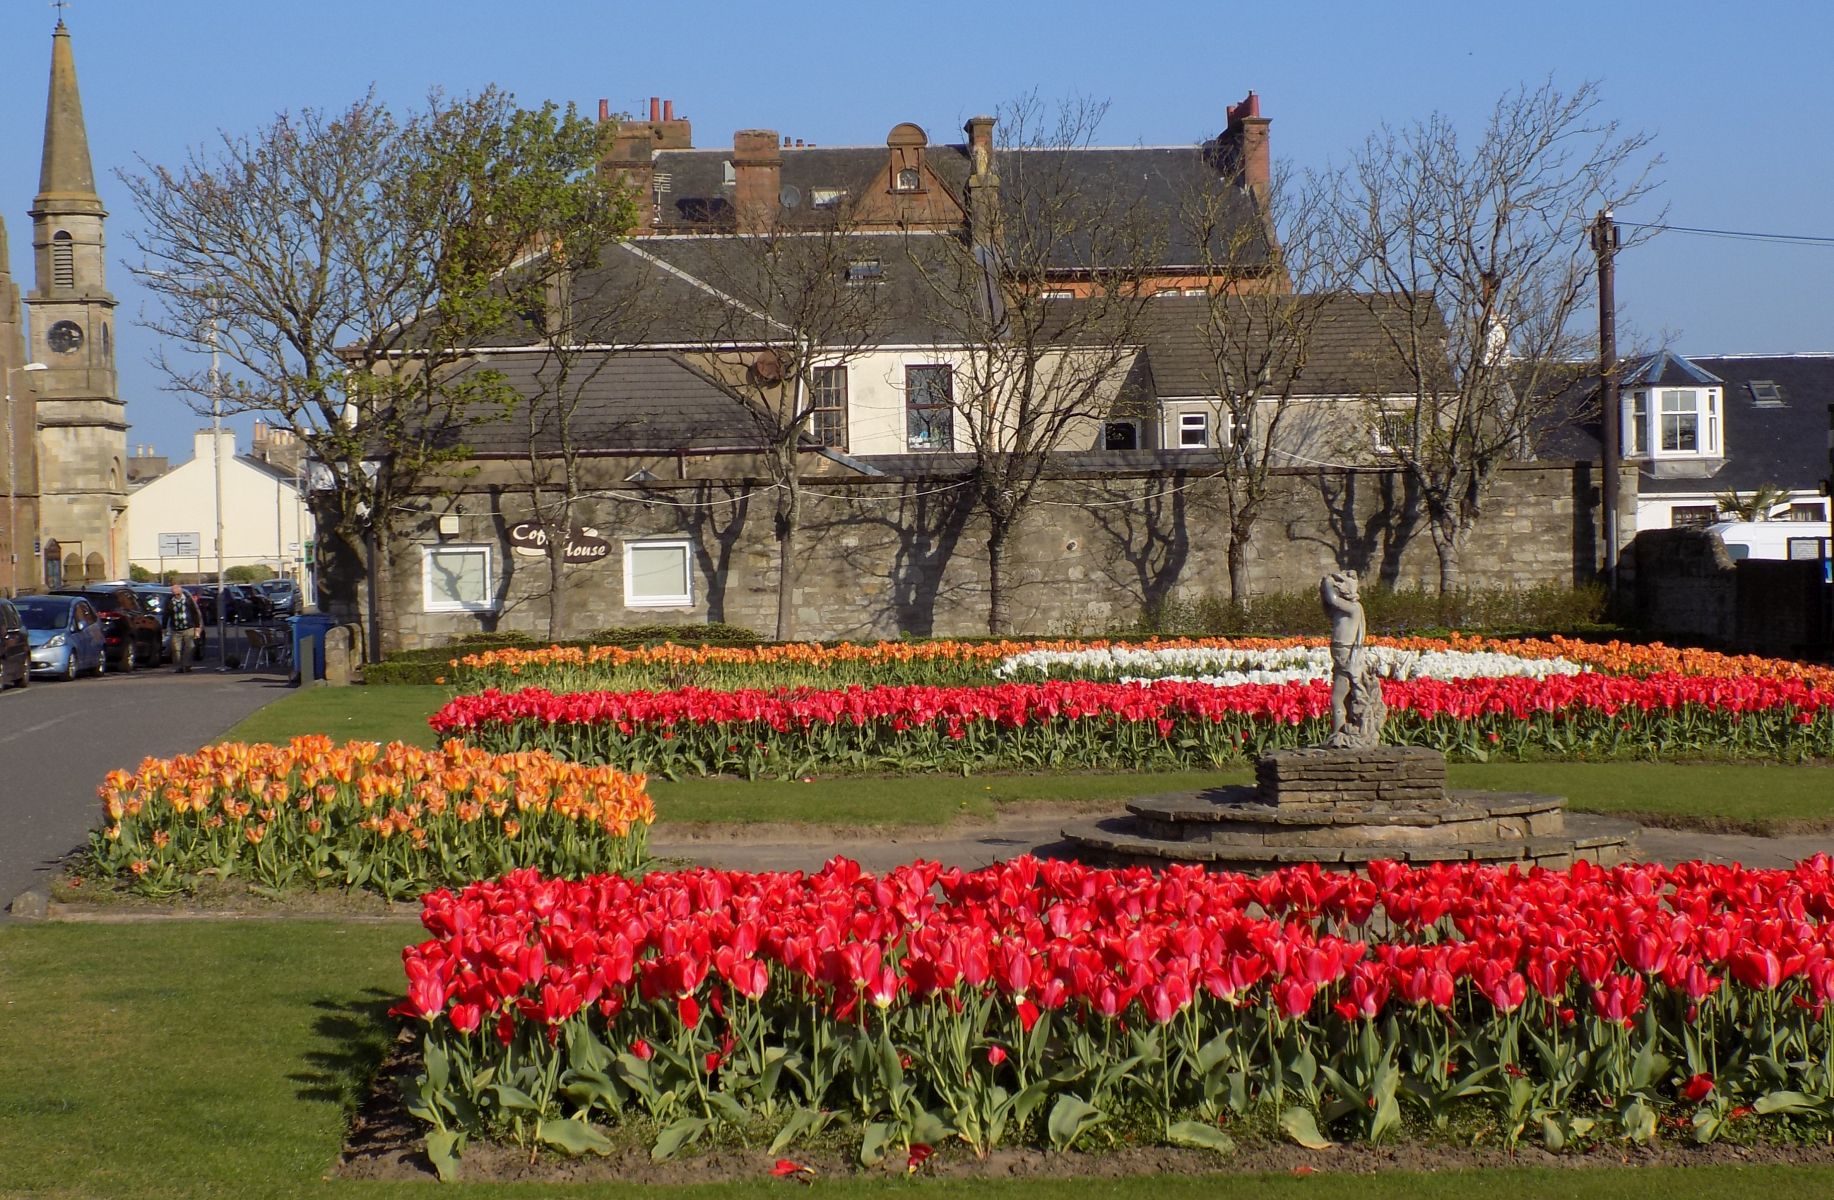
<point x="57" y="741"/>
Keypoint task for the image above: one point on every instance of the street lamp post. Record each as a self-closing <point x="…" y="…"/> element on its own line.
<point x="12" y="480"/>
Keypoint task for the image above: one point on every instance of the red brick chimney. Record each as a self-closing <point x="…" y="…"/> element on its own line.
<point x="629" y="161"/>
<point x="1244" y="143"/>
<point x="757" y="166"/>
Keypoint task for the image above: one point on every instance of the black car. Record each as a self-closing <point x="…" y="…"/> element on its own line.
<point x="131" y="632"/>
<point x="15" y="648"/>
<point x="247" y="603"/>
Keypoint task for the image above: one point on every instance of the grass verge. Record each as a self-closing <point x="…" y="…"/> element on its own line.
<point x="204" y="1058"/>
<point x="1762" y="799"/>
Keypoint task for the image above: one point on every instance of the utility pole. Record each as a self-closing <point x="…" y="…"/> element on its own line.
<point x="1611" y="420"/>
<point x="216" y="452"/>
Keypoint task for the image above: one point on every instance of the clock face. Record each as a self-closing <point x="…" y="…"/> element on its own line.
<point x="65" y="336"/>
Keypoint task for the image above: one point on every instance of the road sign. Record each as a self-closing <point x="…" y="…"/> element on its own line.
<point x="178" y="545"/>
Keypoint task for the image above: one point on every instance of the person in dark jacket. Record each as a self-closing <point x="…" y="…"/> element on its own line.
<point x="186" y="619"/>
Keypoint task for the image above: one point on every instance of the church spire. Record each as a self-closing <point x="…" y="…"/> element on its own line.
<point x="66" y="181"/>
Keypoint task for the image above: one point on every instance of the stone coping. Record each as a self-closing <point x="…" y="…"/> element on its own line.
<point x="1237" y="803"/>
<point x="1113" y="835"/>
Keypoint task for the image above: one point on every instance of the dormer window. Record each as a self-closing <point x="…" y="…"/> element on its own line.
<point x="827" y="197"/>
<point x="865" y="270"/>
<point x="1666" y="422"/>
<point x="909" y="180"/>
<point x="1766" y="394"/>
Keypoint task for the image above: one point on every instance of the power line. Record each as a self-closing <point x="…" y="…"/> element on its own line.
<point x="1789" y="239"/>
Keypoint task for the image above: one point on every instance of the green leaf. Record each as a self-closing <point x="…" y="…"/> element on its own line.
<point x="439" y="1069"/>
<point x="1553" y="1135"/>
<point x="1070" y="1118"/>
<point x="584" y="1088"/>
<point x="513" y="1099"/>
<point x="572" y="1137"/>
<point x="872" y="1145"/>
<point x="729" y="1107"/>
<point x="930" y="1128"/>
<point x="1299" y="1124"/>
<point x="1785" y="1102"/>
<point x="1200" y="1135"/>
<point x="1639" y="1121"/>
<point x="1212" y="1053"/>
<point x="443" y="1146"/>
<point x="674" y="1137"/>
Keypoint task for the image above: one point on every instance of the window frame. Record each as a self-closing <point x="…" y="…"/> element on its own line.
<point x="1198" y="420"/>
<point x="430" y="551"/>
<point x="685" y="600"/>
<point x="1390" y="431"/>
<point x="818" y="409"/>
<point x="946" y="441"/>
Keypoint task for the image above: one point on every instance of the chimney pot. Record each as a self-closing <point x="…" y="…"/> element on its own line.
<point x="786" y="139"/>
<point x="604" y="110"/>
<point x="655" y="108"/>
<point x="668" y="110"/>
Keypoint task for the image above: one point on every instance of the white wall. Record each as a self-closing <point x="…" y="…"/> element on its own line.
<point x="264" y="518"/>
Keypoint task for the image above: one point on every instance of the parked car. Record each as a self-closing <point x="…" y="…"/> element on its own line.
<point x="248" y="603"/>
<point x="66" y="635"/>
<point x="283" y="594"/>
<point x="130" y="630"/>
<point x="15" y="648"/>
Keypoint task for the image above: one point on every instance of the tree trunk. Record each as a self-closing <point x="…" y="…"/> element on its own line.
<point x="1238" y="569"/>
<point x="999" y="614"/>
<point x="557" y="585"/>
<point x="1448" y="543"/>
<point x="789" y="518"/>
<point x="387" y="632"/>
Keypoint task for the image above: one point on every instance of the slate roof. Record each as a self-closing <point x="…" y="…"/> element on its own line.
<point x="1347" y="352"/>
<point x="627" y="403"/>
<point x="1783" y="444"/>
<point x="1157" y="185"/>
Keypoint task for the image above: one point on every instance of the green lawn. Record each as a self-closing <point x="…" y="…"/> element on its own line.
<point x="1754" y="798"/>
<point x="202" y="1058"/>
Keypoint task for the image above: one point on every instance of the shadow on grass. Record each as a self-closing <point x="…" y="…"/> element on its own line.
<point x="355" y="1035"/>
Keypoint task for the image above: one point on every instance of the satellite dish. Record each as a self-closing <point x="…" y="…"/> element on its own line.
<point x="767" y="366"/>
<point x="790" y="196"/>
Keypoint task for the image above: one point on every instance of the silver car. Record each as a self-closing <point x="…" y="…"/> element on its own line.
<point x="66" y="635"/>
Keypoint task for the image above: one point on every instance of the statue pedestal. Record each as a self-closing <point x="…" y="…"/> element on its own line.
<point x="1347" y="808"/>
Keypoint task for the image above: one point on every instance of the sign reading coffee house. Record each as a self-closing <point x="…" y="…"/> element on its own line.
<point x="584" y="545"/>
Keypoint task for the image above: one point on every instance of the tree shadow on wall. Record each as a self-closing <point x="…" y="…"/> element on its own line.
<point x="1151" y="536"/>
<point x="1371" y="517"/>
<point x="923" y="527"/>
<point x="714" y="518"/>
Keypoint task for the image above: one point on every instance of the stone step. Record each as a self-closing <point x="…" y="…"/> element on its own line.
<point x="1120" y="839"/>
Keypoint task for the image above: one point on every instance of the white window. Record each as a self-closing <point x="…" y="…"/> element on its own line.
<point x="456" y="578"/>
<point x="1392" y="432"/>
<point x="1673" y="423"/>
<point x="657" y="575"/>
<point x="827" y="197"/>
<point x="1193" y="430"/>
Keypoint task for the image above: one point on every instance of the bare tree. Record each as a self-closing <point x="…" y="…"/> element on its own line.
<point x="1037" y="312"/>
<point x="344" y="264"/>
<point x="1476" y="262"/>
<point x="787" y="309"/>
<point x="1274" y="287"/>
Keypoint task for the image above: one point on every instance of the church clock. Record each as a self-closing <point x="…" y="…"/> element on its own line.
<point x="65" y="336"/>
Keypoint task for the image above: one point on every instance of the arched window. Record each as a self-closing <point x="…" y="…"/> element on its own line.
<point x="94" y="569"/>
<point x="63" y="260"/>
<point x="909" y="180"/>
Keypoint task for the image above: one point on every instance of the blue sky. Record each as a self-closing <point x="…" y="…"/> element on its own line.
<point x="1741" y="99"/>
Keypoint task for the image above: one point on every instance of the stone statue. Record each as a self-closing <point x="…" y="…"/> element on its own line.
<point x="1357" y="711"/>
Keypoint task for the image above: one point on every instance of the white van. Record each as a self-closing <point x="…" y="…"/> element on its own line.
<point x="1773" y="539"/>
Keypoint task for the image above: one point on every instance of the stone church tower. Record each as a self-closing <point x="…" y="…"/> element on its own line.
<point x="82" y="423"/>
<point x="19" y="469"/>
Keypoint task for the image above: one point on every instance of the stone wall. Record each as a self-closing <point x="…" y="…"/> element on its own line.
<point x="1687" y="588"/>
<point x="908" y="556"/>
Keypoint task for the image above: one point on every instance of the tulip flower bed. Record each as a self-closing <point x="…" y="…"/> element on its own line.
<point x="1048" y="1003"/>
<point x="392" y="819"/>
<point x="1159" y="724"/>
<point x="951" y="663"/>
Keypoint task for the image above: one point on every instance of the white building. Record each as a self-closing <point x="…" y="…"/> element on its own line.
<point x="172" y="520"/>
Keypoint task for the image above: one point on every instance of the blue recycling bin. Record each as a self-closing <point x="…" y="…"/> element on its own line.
<point x="311" y="626"/>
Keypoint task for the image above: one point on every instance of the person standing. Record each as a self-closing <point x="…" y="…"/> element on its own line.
<point x="185" y="622"/>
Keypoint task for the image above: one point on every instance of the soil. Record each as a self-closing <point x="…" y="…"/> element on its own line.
<point x="386" y="1143"/>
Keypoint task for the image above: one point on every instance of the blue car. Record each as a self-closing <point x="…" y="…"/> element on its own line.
<point x="66" y="635"/>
